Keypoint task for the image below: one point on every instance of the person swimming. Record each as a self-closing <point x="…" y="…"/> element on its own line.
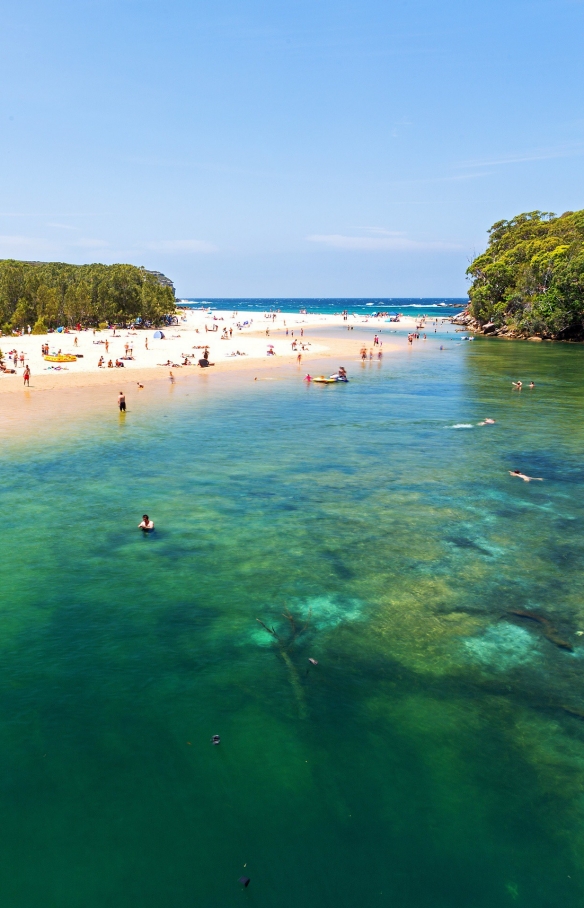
<point x="517" y="385"/>
<point x="532" y="384"/>
<point x="486" y="422"/>
<point x="147" y="525"/>
<point x="524" y="477"/>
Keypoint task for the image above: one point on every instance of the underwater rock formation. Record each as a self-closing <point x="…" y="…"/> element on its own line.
<point x="549" y="631"/>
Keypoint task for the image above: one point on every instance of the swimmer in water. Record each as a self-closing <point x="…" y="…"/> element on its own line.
<point x="146" y="524"/>
<point x="524" y="477"/>
<point x="517" y="385"/>
<point x="486" y="422"/>
<point x="532" y="384"/>
<point x="215" y="740"/>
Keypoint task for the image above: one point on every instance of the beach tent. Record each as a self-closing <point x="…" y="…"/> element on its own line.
<point x="159" y="334"/>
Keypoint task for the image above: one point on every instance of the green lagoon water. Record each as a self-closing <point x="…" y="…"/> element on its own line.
<point x="429" y="760"/>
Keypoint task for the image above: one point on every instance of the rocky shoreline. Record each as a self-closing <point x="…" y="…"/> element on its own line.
<point x="490" y="329"/>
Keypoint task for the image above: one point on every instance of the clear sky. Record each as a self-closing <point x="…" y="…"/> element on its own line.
<point x="308" y="147"/>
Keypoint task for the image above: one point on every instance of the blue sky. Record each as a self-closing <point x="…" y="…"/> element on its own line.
<point x="279" y="149"/>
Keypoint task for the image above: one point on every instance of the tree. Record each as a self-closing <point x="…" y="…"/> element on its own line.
<point x="530" y="279"/>
<point x="54" y="293"/>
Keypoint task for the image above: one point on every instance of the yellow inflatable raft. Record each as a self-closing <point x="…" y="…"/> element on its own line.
<point x="60" y="358"/>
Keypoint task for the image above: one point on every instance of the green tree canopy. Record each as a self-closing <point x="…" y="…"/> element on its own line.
<point x="530" y="279"/>
<point x="54" y="293"/>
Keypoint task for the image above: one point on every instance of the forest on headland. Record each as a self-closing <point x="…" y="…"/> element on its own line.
<point x="48" y="295"/>
<point x="529" y="282"/>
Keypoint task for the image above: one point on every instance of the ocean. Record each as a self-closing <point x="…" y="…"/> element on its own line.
<point x="443" y="307"/>
<point x="433" y="757"/>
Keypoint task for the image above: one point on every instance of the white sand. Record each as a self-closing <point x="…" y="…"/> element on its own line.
<point x="190" y="336"/>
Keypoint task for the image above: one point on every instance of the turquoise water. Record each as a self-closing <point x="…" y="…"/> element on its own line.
<point x="429" y="760"/>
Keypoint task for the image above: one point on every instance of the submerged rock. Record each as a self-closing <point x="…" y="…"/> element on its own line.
<point x="549" y="630"/>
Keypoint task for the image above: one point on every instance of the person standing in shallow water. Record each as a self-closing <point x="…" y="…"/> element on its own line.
<point x="27" y="376"/>
<point x="122" y="402"/>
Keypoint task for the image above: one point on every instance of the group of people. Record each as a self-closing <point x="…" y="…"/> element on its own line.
<point x="15" y="358"/>
<point x="111" y="365"/>
<point x="364" y="356"/>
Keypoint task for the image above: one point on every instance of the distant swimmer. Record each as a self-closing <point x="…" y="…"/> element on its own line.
<point x="532" y="384"/>
<point x="215" y="740"/>
<point x="524" y="477"/>
<point x="147" y="525"/>
<point x="517" y="385"/>
<point x="486" y="422"/>
<point x="307" y="377"/>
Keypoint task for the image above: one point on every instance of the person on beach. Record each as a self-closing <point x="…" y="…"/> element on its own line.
<point x="147" y="525"/>
<point x="146" y="343"/>
<point x="75" y="344"/>
<point x="299" y="358"/>
<point x="171" y="377"/>
<point x="122" y="402"/>
<point x="27" y="376"/>
<point x="524" y="477"/>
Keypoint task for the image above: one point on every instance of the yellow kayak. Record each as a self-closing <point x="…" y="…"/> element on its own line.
<point x="60" y="358"/>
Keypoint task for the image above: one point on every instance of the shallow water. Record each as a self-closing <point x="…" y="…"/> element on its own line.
<point x="432" y="759"/>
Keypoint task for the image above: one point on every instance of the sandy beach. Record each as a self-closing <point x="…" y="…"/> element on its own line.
<point x="235" y="340"/>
